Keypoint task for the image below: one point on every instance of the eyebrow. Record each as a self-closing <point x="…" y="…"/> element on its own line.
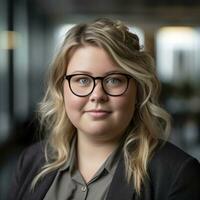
<point x="89" y="73"/>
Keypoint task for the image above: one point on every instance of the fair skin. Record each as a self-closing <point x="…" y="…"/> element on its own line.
<point x="100" y="119"/>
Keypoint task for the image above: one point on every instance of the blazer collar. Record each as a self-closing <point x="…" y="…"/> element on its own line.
<point x="42" y="187"/>
<point x="120" y="189"/>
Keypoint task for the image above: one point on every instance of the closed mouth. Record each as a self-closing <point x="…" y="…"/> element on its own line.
<point x="98" y="113"/>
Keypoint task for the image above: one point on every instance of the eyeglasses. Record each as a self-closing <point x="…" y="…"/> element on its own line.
<point x="114" y="84"/>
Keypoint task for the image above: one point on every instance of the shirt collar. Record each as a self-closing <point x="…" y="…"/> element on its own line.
<point x="109" y="165"/>
<point x="111" y="162"/>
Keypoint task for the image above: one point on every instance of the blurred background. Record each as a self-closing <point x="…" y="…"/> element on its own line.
<point x="32" y="30"/>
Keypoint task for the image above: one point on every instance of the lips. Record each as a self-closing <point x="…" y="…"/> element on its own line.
<point x="98" y="113"/>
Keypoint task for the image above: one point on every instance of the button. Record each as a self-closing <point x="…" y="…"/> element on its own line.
<point x="83" y="189"/>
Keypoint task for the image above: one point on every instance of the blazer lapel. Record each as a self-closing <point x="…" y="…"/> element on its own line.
<point x="120" y="189"/>
<point x="42" y="187"/>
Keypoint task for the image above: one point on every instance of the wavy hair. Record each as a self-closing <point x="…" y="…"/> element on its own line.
<point x="149" y="123"/>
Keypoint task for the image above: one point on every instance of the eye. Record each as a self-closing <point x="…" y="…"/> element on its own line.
<point x="81" y="80"/>
<point x="112" y="81"/>
<point x="84" y="81"/>
<point x="115" y="80"/>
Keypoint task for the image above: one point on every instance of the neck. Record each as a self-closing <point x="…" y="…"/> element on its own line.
<point x="92" y="154"/>
<point x="93" y="149"/>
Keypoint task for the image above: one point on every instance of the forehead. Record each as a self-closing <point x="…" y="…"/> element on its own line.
<point x="92" y="60"/>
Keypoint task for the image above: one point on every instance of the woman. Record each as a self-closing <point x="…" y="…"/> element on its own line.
<point x="104" y="127"/>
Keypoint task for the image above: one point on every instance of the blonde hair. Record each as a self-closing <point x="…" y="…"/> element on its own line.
<point x="150" y="122"/>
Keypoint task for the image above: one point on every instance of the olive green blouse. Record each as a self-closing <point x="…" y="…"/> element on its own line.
<point x="69" y="183"/>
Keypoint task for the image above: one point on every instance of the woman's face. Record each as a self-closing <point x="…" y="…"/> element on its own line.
<point x="98" y="116"/>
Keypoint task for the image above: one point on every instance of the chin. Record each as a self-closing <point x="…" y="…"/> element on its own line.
<point x="98" y="131"/>
<point x="102" y="132"/>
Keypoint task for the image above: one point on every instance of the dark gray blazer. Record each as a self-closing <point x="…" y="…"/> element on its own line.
<point x="173" y="175"/>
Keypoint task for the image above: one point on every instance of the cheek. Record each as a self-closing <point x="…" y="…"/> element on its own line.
<point x="73" y="104"/>
<point x="126" y="107"/>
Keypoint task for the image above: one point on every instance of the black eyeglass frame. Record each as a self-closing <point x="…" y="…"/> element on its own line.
<point x="101" y="78"/>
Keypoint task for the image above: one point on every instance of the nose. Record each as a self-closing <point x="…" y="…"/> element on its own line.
<point x="98" y="94"/>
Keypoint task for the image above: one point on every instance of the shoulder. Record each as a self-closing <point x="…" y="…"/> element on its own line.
<point x="32" y="153"/>
<point x="30" y="160"/>
<point x="172" y="170"/>
<point x="169" y="156"/>
<point x="29" y="163"/>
